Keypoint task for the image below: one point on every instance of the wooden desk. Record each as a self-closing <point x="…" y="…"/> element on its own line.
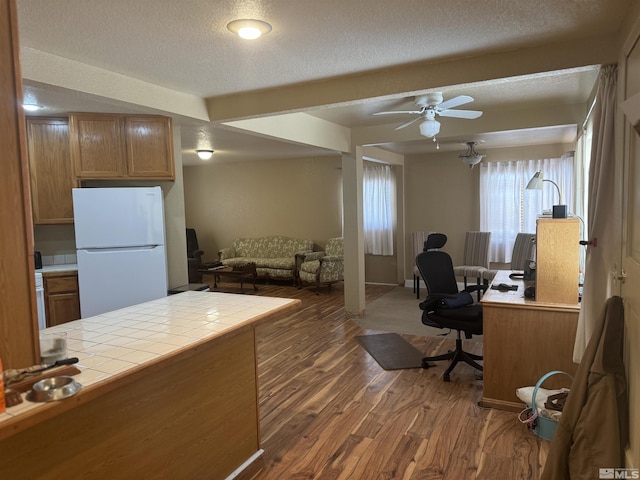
<point x="523" y="340"/>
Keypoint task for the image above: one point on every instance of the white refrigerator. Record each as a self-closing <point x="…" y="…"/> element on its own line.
<point x="120" y="242"/>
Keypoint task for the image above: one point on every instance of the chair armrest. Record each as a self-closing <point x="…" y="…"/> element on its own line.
<point x="332" y="258"/>
<point x="474" y="288"/>
<point x="310" y="256"/>
<point x="225" y="253"/>
<point x="434" y="300"/>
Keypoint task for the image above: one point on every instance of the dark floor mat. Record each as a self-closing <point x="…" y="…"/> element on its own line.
<point x="391" y="351"/>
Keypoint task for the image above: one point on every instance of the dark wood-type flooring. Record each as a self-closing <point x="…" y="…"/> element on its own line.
<point x="329" y="411"/>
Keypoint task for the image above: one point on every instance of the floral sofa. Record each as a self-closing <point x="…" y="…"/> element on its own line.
<point x="274" y="256"/>
<point x="322" y="268"/>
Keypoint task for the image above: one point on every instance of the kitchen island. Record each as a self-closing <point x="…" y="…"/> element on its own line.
<point x="169" y="391"/>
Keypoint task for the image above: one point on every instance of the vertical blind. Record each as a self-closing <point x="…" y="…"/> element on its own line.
<point x="378" y="209"/>
<point x="507" y="208"/>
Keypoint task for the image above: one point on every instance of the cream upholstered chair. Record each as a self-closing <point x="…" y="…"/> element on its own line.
<point x="476" y="257"/>
<point x="523" y="250"/>
<point x="322" y="268"/>
<point x="417" y="241"/>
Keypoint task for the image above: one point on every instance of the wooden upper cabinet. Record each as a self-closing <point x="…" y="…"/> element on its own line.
<point x="149" y="143"/>
<point x="97" y="147"/>
<point x="111" y="146"/>
<point x="51" y="172"/>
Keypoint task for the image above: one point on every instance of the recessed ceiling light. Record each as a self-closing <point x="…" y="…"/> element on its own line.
<point x="204" y="154"/>
<point x="31" y="107"/>
<point x="249" y="29"/>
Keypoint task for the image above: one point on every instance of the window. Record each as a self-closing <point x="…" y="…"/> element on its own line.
<point x="507" y="208"/>
<point x="379" y="209"/>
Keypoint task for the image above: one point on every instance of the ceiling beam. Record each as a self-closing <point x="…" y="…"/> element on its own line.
<point x="413" y="79"/>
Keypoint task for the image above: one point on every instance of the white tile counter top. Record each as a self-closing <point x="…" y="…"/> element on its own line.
<point x="114" y="343"/>
<point x="64" y="267"/>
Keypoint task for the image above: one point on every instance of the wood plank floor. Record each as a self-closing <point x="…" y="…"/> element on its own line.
<point x="329" y="411"/>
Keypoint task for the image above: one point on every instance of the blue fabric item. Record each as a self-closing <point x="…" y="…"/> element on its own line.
<point x="459" y="300"/>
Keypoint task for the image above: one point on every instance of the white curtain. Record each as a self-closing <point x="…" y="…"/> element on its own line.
<point x="379" y="209"/>
<point x="507" y="208"/>
<point x="600" y="260"/>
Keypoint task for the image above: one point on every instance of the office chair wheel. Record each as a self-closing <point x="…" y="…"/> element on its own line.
<point x="427" y="364"/>
<point x="446" y="377"/>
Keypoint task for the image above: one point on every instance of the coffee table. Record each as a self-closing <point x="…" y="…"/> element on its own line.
<point x="241" y="272"/>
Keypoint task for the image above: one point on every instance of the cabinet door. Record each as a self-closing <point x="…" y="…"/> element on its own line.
<point x="97" y="149"/>
<point x="50" y="170"/>
<point x="149" y="142"/>
<point x="62" y="308"/>
<point x="62" y="299"/>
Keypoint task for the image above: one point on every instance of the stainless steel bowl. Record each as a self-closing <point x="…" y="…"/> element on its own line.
<point x="54" y="388"/>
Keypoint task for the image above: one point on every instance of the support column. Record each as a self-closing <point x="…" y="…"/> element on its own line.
<point x="354" y="297"/>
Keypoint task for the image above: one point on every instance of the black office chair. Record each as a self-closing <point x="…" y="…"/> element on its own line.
<point x="194" y="258"/>
<point x="446" y="306"/>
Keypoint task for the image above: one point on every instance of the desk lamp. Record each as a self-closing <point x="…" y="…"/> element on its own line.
<point x="559" y="211"/>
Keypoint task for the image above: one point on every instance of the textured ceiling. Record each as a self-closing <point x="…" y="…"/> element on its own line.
<point x="185" y="46"/>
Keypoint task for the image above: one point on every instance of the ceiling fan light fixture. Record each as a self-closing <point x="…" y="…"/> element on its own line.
<point x="249" y="29"/>
<point x="204" y="154"/>
<point x="471" y="157"/>
<point x="429" y="128"/>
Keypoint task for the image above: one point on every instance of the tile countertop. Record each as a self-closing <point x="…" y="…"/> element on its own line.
<point x="65" y="267"/>
<point x="113" y="343"/>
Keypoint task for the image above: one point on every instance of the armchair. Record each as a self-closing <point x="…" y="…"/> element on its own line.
<point x="322" y="268"/>
<point x="446" y="307"/>
<point x="523" y="251"/>
<point x="476" y="257"/>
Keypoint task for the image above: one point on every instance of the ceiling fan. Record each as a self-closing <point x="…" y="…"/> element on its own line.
<point x="429" y="106"/>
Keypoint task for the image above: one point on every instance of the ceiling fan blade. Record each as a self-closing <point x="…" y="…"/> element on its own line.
<point x="406" y="124"/>
<point x="455" y="102"/>
<point x="470" y="114"/>
<point x="412" y="112"/>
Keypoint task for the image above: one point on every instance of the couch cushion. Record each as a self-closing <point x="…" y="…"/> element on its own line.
<point x="310" y="267"/>
<point x="282" y="263"/>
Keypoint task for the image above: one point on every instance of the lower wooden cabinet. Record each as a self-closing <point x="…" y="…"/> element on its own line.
<point x="61" y="297"/>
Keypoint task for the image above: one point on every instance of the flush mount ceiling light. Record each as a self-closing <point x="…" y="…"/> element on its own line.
<point x="471" y="157"/>
<point x="31" y="107"/>
<point x="249" y="29"/>
<point x="204" y="154"/>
